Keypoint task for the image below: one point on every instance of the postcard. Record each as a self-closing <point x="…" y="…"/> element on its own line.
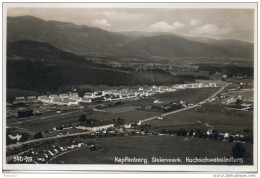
<point x="130" y="87"/>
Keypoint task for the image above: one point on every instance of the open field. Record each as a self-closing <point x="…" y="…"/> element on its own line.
<point x="119" y="109"/>
<point x="216" y="116"/>
<point x="164" y="146"/>
<point x="46" y="124"/>
<point x="190" y="95"/>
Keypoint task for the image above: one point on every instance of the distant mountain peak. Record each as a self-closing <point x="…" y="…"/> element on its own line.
<point x="83" y="39"/>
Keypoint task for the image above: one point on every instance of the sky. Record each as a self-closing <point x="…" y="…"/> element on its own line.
<point x="214" y="23"/>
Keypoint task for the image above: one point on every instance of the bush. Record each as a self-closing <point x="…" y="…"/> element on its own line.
<point x="231" y="139"/>
<point x="38" y="135"/>
<point x="25" y="137"/>
<point x="82" y="118"/>
<point x="238" y="151"/>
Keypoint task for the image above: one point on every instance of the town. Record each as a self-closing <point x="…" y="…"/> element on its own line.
<point x="81" y="129"/>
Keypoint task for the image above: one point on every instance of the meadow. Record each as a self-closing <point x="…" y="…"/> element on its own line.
<point x="164" y="146"/>
<point x="214" y="115"/>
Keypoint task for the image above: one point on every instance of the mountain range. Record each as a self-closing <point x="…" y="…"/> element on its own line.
<point x="41" y="67"/>
<point x="82" y="39"/>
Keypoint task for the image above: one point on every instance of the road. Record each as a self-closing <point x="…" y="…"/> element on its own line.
<point x="100" y="68"/>
<point x="44" y="139"/>
<point x="144" y="120"/>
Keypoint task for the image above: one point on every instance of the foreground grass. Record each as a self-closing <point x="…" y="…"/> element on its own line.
<point x="164" y="146"/>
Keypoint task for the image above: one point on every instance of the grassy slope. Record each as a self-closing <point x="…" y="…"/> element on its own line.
<point x="147" y="147"/>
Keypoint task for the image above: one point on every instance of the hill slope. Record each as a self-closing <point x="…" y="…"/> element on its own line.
<point x="82" y="39"/>
<point x="170" y="46"/>
<point x="66" y="36"/>
<point x="27" y="71"/>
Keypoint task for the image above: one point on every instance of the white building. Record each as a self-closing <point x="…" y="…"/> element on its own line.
<point x="19" y="99"/>
<point x="212" y="85"/>
<point x="63" y="96"/>
<point x="53" y="96"/>
<point x="89" y="95"/>
<point x="85" y="100"/>
<point x="95" y="129"/>
<point x="17" y="137"/>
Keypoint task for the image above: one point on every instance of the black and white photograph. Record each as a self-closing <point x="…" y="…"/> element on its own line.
<point x="130" y="86"/>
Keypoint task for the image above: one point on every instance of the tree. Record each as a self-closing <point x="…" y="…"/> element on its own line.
<point x="119" y="122"/>
<point x="220" y="137"/>
<point x="25" y="137"/>
<point x="215" y="136"/>
<point x="10" y="141"/>
<point x="191" y="133"/>
<point x="210" y="136"/>
<point x="231" y="139"/>
<point x="82" y="118"/>
<point x="38" y="135"/>
<point x="238" y="151"/>
<point x="238" y="102"/>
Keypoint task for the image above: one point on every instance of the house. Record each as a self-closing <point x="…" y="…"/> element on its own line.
<point x="44" y="97"/>
<point x="107" y="98"/>
<point x="46" y="156"/>
<point x="73" y="102"/>
<point x="88" y="95"/>
<point x="156" y="101"/>
<point x="115" y="97"/>
<point x="131" y="95"/>
<point x="57" y="101"/>
<point x="17" y="137"/>
<point x="53" y="96"/>
<point x="114" y="91"/>
<point x="19" y="100"/>
<point x="85" y="100"/>
<point x="138" y="93"/>
<point x="73" y="95"/>
<point x="56" y="151"/>
<point x="204" y="85"/>
<point x="47" y="100"/>
<point x="106" y="92"/>
<point x="98" y="93"/>
<point x="123" y="96"/>
<point x="65" y="101"/>
<point x="51" y="153"/>
<point x="226" y="135"/>
<point x="209" y="132"/>
<point x="127" y="126"/>
<point x="97" y="128"/>
<point x="212" y="85"/>
<point x="31" y="98"/>
<point x="63" y="96"/>
<point x="178" y="86"/>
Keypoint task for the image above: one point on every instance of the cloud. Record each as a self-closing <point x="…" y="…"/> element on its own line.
<point x="165" y="27"/>
<point x="101" y="23"/>
<point x="210" y="29"/>
<point x="178" y="25"/>
<point x="195" y="22"/>
<point x="161" y="26"/>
